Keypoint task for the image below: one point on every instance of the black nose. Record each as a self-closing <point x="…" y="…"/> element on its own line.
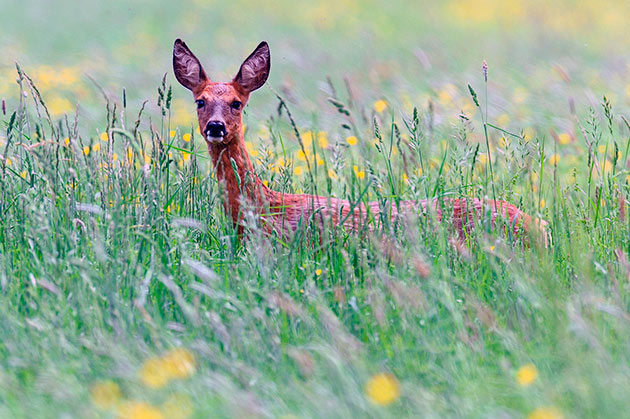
<point x="215" y="129"/>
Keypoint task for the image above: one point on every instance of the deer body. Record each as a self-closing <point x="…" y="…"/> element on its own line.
<point x="219" y="107"/>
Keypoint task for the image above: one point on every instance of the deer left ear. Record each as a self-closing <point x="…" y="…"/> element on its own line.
<point x="255" y="69"/>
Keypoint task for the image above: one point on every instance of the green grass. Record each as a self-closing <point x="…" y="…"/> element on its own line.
<point x="106" y="264"/>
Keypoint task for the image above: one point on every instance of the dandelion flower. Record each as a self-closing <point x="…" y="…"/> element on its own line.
<point x="96" y="147"/>
<point x="545" y="413"/>
<point x="307" y="138"/>
<point x="298" y="170"/>
<point x="318" y="272"/>
<point x="554" y="159"/>
<point x="105" y="394"/>
<point x="526" y="375"/>
<point x="564" y="138"/>
<point x="359" y="173"/>
<point x="179" y="363"/>
<point x="322" y="139"/>
<point x="139" y="410"/>
<point x="185" y="156"/>
<point x="380" y="105"/>
<point x="104" y="136"/>
<point x="66" y="141"/>
<point x="332" y="174"/>
<point x="382" y="389"/>
<point x="86" y="150"/>
<point x="153" y="373"/>
<point x="186" y="137"/>
<point x="352" y="140"/>
<point x="171" y="133"/>
<point x="301" y="156"/>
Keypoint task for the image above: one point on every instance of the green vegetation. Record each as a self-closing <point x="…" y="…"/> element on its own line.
<point x="125" y="292"/>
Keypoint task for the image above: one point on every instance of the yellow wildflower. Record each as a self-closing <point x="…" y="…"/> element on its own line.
<point x="298" y="170"/>
<point x="105" y="394"/>
<point x="153" y="374"/>
<point x="359" y="173"/>
<point x="545" y="413"/>
<point x="380" y="105"/>
<point x="104" y="136"/>
<point x="96" y="147"/>
<point x="130" y="155"/>
<point x="564" y="138"/>
<point x="307" y="138"/>
<point x="138" y="410"/>
<point x="179" y="363"/>
<point x="526" y="375"/>
<point x="86" y="150"/>
<point x="332" y="174"/>
<point x="114" y="156"/>
<point x="542" y="203"/>
<point x="301" y="156"/>
<point x="318" y="272"/>
<point x="419" y="171"/>
<point x="601" y="149"/>
<point x="66" y="141"/>
<point x="185" y="156"/>
<point x="59" y="106"/>
<point x="322" y="139"/>
<point x="554" y="159"/>
<point x="320" y="161"/>
<point x="382" y="389"/>
<point x="352" y="140"/>
<point x="23" y="174"/>
<point x="172" y="133"/>
<point x="186" y="137"/>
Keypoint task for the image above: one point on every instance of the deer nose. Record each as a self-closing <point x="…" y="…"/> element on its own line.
<point x="215" y="129"/>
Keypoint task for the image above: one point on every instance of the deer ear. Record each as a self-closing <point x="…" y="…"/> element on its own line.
<point x="255" y="69"/>
<point x="187" y="67"/>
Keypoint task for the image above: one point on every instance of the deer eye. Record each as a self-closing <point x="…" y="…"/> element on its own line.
<point x="200" y="103"/>
<point x="236" y="105"/>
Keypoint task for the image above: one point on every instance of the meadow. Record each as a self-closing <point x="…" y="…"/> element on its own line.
<point x="125" y="291"/>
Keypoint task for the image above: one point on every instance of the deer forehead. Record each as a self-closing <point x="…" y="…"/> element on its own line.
<point x="224" y="91"/>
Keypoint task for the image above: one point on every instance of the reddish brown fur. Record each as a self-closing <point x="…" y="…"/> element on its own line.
<point x="283" y="212"/>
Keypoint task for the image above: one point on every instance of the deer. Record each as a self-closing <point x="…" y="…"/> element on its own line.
<point x="219" y="112"/>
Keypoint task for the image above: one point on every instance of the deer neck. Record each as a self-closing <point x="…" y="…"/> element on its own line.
<point x="235" y="173"/>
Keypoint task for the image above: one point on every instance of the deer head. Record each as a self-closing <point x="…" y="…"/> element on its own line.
<point x="220" y="105"/>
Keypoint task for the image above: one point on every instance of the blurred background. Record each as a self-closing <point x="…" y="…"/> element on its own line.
<point x="540" y="55"/>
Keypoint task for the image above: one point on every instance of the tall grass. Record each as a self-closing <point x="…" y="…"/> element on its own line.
<point x="115" y="250"/>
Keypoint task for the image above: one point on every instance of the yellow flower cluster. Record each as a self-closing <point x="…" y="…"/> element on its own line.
<point x="175" y="364"/>
<point x="382" y="389"/>
<point x="156" y="372"/>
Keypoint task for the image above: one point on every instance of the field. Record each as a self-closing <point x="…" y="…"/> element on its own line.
<point x="125" y="291"/>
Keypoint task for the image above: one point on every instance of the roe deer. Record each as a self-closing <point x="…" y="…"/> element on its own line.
<point x="219" y="110"/>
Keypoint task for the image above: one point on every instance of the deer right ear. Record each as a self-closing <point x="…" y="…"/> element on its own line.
<point x="187" y="67"/>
